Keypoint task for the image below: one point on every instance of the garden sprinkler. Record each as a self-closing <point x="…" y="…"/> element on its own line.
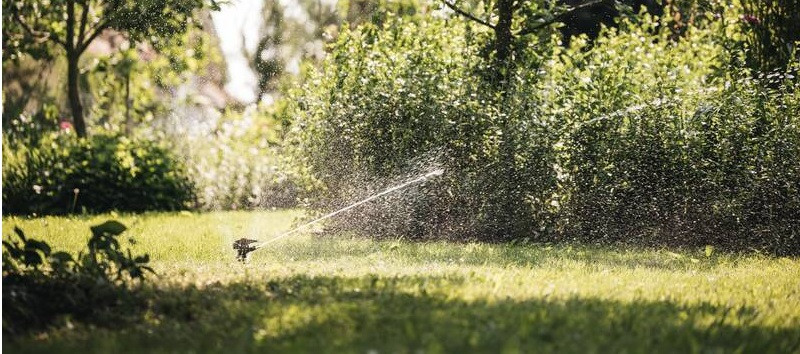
<point x="244" y="246"/>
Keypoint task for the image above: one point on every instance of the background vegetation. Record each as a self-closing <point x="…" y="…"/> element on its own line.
<point x="634" y="136"/>
<point x="676" y="129"/>
<point x="618" y="176"/>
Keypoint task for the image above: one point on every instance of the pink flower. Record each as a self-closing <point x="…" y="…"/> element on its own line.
<point x="65" y="125"/>
<point x="751" y="19"/>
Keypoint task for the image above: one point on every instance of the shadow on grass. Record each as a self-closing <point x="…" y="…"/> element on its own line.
<point x="406" y="314"/>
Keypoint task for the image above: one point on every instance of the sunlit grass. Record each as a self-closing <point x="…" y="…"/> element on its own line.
<point x="341" y="293"/>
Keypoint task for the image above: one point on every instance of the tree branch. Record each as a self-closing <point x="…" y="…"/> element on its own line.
<point x="467" y="14"/>
<point x="39" y="35"/>
<point x="84" y="20"/>
<point x="98" y="30"/>
<point x="559" y="18"/>
<point x="70" y="36"/>
<point x="108" y="14"/>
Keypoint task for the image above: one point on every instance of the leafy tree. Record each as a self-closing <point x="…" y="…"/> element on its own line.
<point x="132" y="86"/>
<point x="267" y="61"/>
<point x="512" y="22"/>
<point x="36" y="28"/>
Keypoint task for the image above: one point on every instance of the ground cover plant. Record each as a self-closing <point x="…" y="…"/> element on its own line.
<point x="354" y="294"/>
<point x="41" y="284"/>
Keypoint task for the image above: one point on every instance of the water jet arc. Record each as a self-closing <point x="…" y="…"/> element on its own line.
<point x="245" y="246"/>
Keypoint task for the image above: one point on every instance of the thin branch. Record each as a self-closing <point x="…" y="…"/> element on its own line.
<point x="467" y="14"/>
<point x="84" y="20"/>
<point x="98" y="30"/>
<point x="559" y="18"/>
<point x="39" y="35"/>
<point x="108" y="14"/>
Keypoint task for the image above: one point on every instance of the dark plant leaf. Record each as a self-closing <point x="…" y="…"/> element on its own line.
<point x="38" y="245"/>
<point x="32" y="258"/>
<point x="110" y="227"/>
<point x="61" y="257"/>
<point x="19" y="233"/>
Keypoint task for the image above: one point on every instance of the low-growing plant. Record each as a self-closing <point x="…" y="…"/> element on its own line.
<point x="60" y="175"/>
<point x="41" y="285"/>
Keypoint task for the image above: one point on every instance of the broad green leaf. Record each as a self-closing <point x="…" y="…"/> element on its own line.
<point x="110" y="227"/>
<point x="61" y="257"/>
<point x="38" y="245"/>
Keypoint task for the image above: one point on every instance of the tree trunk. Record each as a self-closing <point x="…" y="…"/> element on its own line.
<point x="73" y="93"/>
<point x="503" y="65"/>
<point x="503" y="39"/>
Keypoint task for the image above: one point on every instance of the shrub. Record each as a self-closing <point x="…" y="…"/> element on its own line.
<point x="392" y="101"/>
<point x="238" y="163"/>
<point x="61" y="174"/>
<point x="40" y="285"/>
<point x="640" y="137"/>
<point x="662" y="147"/>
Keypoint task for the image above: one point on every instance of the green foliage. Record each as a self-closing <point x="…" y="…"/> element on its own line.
<point x="40" y="285"/>
<point x="772" y="30"/>
<point x="30" y="128"/>
<point x="639" y="137"/>
<point x="660" y="147"/>
<point x="132" y="90"/>
<point x="240" y="164"/>
<point x="61" y="175"/>
<point x="124" y="92"/>
<point x="35" y="28"/>
<point x="387" y="96"/>
<point x="345" y="294"/>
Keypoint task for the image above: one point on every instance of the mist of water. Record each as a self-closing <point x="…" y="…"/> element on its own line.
<point x="398" y="187"/>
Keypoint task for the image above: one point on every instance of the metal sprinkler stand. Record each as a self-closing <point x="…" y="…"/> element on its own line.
<point x="243" y="246"/>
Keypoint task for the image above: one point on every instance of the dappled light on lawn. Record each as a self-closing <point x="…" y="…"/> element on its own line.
<point x="341" y="293"/>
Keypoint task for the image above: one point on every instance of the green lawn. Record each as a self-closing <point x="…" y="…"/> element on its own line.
<point x="341" y="294"/>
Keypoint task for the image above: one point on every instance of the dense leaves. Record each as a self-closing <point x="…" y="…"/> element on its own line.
<point x="639" y="137"/>
<point x="106" y="172"/>
<point x="35" y="27"/>
<point x="39" y="285"/>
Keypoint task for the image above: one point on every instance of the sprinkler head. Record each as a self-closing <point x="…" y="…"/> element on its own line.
<point x="243" y="246"/>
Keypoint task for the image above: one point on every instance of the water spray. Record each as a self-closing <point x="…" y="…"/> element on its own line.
<point x="244" y="246"/>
